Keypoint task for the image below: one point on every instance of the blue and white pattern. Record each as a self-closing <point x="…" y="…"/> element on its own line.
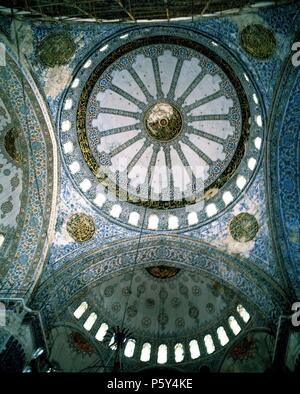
<point x="260" y="270"/>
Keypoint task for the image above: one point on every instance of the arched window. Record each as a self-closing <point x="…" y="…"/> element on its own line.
<point x="227" y="197"/>
<point x="100" y="199"/>
<point x="241" y="182"/>
<point x="68" y="147"/>
<point x="209" y="344"/>
<point x="2" y="314"/>
<point x="258" y="120"/>
<point x="116" y="211"/>
<point x="146" y="351"/>
<point x="74" y="167"/>
<point x="68" y="104"/>
<point x="66" y="125"/>
<point x="234" y="325"/>
<point x="112" y="344"/>
<point x="2" y="238"/>
<point x="243" y="313"/>
<point x="223" y="338"/>
<point x="85" y="185"/>
<point x="179" y="352"/>
<point x="80" y="310"/>
<point x="101" y="332"/>
<point x="173" y="222"/>
<point x="192" y="218"/>
<point x="90" y="321"/>
<point x="134" y="218"/>
<point x="153" y="222"/>
<point x="87" y="63"/>
<point x="162" y="354"/>
<point x="194" y="349"/>
<point x="103" y="48"/>
<point x="251" y="163"/>
<point x="75" y="83"/>
<point x="129" y="348"/>
<point x="258" y="142"/>
<point x="211" y="210"/>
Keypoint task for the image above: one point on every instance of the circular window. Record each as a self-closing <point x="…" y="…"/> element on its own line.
<point x="161" y="122"/>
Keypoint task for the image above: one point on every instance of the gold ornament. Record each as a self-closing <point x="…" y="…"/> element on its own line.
<point x="163" y="122"/>
<point x="258" y="41"/>
<point x="243" y="227"/>
<point x="81" y="227"/>
<point x="56" y="49"/>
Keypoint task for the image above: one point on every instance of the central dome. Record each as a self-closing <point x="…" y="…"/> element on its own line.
<point x="164" y="119"/>
<point x="163" y="122"/>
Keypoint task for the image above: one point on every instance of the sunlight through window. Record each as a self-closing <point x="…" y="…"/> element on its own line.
<point x="241" y="182"/>
<point x="80" y="310"/>
<point x="243" y="313"/>
<point x="259" y="120"/>
<point x="74" y="167"/>
<point x="211" y="210"/>
<point x="112" y="344"/>
<point x="194" y="349"/>
<point x="134" y="218"/>
<point x="251" y="163"/>
<point x="116" y="211"/>
<point x="153" y="222"/>
<point x="209" y="344"/>
<point x="234" y="325"/>
<point x="75" y="83"/>
<point x="90" y="321"/>
<point x="162" y="354"/>
<point x="87" y="63"/>
<point x="85" y="185"/>
<point x="101" y="332"/>
<point x="227" y="197"/>
<point x="223" y="338"/>
<point x="68" y="104"/>
<point x="68" y="147"/>
<point x="146" y="351"/>
<point x="129" y="348"/>
<point x="192" y="218"/>
<point x="173" y="222"/>
<point x="66" y="125"/>
<point x="179" y="352"/>
<point x="100" y="199"/>
<point x="257" y="143"/>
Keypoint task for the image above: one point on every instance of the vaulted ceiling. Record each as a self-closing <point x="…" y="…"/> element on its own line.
<point x="171" y="263"/>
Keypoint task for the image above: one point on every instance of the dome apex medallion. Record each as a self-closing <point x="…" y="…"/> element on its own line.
<point x="163" y="121"/>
